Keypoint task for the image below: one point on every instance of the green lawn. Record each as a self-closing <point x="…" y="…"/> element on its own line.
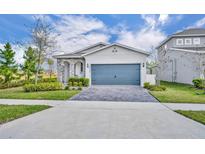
<point x="11" y="112"/>
<point x="18" y="93"/>
<point x="195" y="115"/>
<point x="179" y="93"/>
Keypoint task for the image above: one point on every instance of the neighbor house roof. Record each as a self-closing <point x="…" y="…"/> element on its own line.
<point x="184" y="33"/>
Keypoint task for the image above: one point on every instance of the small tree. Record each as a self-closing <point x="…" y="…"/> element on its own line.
<point x="50" y="65"/>
<point x="8" y="65"/>
<point x="29" y="66"/>
<point x="43" y="38"/>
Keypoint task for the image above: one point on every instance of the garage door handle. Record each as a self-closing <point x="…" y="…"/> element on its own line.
<point x="115" y="76"/>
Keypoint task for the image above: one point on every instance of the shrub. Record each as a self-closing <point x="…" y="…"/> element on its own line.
<point x="199" y="83"/>
<point x="79" y="88"/>
<point x="70" y="83"/>
<point x="14" y="83"/>
<point x="157" y="88"/>
<point x="49" y="86"/>
<point x="146" y="85"/>
<point x="40" y="80"/>
<point x="67" y="88"/>
<point x="85" y="81"/>
<point x="75" y="84"/>
<point x="80" y="84"/>
<point x="54" y="79"/>
<point x="1" y="80"/>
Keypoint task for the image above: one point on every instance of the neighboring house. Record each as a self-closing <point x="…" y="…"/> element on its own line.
<point x="182" y="56"/>
<point x="104" y="64"/>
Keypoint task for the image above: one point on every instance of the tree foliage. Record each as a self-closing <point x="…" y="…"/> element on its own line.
<point x="29" y="66"/>
<point x="44" y="40"/>
<point x="8" y="66"/>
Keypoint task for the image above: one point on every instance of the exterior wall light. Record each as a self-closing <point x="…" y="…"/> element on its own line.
<point x="142" y="64"/>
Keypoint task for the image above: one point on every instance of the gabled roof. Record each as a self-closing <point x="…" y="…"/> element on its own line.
<point x="78" y="53"/>
<point x="120" y="45"/>
<point x="191" y="31"/>
<point x="185" y="33"/>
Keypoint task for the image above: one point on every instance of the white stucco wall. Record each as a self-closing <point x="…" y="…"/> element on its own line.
<point x="78" y="70"/>
<point x="179" y="66"/>
<point x="122" y="56"/>
<point x="151" y="78"/>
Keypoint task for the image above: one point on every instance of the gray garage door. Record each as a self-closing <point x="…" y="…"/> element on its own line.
<point x="115" y="74"/>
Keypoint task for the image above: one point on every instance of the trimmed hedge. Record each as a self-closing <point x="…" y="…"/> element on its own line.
<point x="74" y="81"/>
<point x="199" y="83"/>
<point x="12" y="84"/>
<point x="49" y="86"/>
<point x="148" y="86"/>
<point x="54" y="79"/>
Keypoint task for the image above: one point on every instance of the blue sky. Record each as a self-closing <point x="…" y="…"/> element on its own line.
<point x="140" y="31"/>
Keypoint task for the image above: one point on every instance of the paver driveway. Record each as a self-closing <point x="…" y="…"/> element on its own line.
<point x="91" y="120"/>
<point x="115" y="93"/>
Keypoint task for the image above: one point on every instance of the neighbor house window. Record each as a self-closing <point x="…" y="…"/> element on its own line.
<point x="81" y="67"/>
<point x="196" y="41"/>
<point x="188" y="41"/>
<point x="179" y="42"/>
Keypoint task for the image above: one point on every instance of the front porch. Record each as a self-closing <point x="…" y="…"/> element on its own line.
<point x="70" y="68"/>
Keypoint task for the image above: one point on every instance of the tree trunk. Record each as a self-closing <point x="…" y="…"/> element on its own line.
<point x="36" y="74"/>
<point x="50" y="74"/>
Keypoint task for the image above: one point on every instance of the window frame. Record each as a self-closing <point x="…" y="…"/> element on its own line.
<point x="199" y="40"/>
<point x="186" y="39"/>
<point x="177" y="41"/>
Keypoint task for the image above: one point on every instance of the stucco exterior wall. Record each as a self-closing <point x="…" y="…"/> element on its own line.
<point x="178" y="66"/>
<point x="122" y="56"/>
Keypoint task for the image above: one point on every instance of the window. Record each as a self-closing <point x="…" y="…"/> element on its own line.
<point x="81" y="67"/>
<point x="196" y="41"/>
<point x="188" y="41"/>
<point x="179" y="42"/>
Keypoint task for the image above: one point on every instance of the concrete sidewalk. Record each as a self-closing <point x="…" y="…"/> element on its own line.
<point x="184" y="106"/>
<point x="107" y="120"/>
<point x="31" y="102"/>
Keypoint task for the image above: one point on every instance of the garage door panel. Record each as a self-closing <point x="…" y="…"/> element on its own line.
<point x="115" y="74"/>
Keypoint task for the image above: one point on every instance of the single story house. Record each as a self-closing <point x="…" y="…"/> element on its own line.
<point x="104" y="64"/>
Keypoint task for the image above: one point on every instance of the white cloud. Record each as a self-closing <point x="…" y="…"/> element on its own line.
<point x="198" y="24"/>
<point x="154" y="21"/>
<point x="79" y="31"/>
<point x="163" y="18"/>
<point x="144" y="39"/>
<point x="148" y="36"/>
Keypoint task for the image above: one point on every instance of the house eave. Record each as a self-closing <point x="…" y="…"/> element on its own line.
<point x="121" y="45"/>
<point x="185" y="50"/>
<point x="62" y="57"/>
